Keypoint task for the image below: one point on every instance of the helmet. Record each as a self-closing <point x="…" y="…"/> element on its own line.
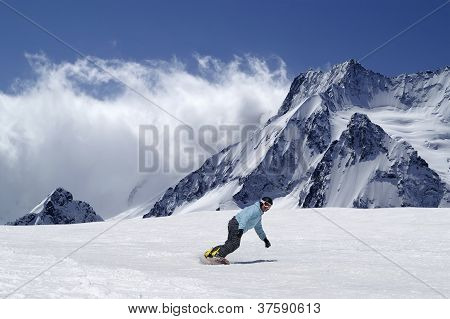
<point x="266" y="199"/>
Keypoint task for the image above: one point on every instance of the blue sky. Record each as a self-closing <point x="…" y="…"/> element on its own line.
<point x="304" y="34"/>
<point x="62" y="109"/>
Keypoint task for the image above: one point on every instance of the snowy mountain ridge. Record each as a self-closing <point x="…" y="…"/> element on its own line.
<point x="280" y="160"/>
<point x="350" y="84"/>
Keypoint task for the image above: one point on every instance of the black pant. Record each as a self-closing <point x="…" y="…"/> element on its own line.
<point x="233" y="241"/>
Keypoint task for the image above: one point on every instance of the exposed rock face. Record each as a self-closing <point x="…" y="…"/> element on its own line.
<point x="392" y="174"/>
<point x="214" y="172"/>
<point x="59" y="208"/>
<point x="286" y="162"/>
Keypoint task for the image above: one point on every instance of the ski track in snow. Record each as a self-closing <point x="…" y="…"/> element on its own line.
<point x="309" y="257"/>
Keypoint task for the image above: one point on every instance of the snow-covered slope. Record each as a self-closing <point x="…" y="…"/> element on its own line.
<point x="309" y="258"/>
<point x="59" y="208"/>
<point x="279" y="160"/>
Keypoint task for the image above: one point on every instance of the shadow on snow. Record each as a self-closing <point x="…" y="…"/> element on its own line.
<point x="253" y="261"/>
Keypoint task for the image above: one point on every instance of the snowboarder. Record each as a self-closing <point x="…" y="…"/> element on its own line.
<point x="246" y="219"/>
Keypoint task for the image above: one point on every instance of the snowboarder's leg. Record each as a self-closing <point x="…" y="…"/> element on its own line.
<point x="233" y="241"/>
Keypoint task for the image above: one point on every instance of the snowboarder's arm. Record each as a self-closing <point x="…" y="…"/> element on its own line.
<point x="260" y="231"/>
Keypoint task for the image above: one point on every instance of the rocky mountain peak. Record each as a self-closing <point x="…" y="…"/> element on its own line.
<point x="59" y="208"/>
<point x="345" y="83"/>
<point x="392" y="171"/>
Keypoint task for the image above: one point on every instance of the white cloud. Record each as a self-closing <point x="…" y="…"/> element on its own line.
<point x="75" y="126"/>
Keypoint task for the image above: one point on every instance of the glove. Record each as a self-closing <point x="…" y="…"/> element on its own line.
<point x="241" y="232"/>
<point x="267" y="242"/>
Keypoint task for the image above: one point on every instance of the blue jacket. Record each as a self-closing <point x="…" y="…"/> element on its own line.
<point x="250" y="217"/>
